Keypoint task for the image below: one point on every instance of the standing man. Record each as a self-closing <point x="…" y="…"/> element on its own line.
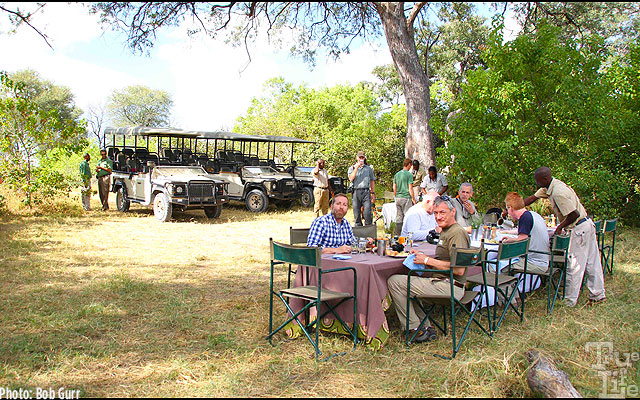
<point x="434" y="181"/>
<point x="436" y="286"/>
<point x="364" y="188"/>
<point x="103" y="173"/>
<point x="418" y="177"/>
<point x="403" y="193"/>
<point x="85" y="175"/>
<point x="320" y="188"/>
<point x="465" y="209"/>
<point x="584" y="256"/>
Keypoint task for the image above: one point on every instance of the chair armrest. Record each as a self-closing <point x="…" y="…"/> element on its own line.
<point x="541" y="252"/>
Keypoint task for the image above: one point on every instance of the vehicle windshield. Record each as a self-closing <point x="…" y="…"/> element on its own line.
<point x="259" y="170"/>
<point x="304" y="170"/>
<point x="169" y="171"/>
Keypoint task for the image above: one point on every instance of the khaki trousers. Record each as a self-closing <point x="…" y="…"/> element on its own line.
<point x="421" y="287"/>
<point x="85" y="194"/>
<point x="321" y="201"/>
<point x="103" y="190"/>
<point x="584" y="257"/>
<point x="402" y="206"/>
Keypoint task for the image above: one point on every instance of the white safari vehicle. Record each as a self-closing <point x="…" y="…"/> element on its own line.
<point x="153" y="168"/>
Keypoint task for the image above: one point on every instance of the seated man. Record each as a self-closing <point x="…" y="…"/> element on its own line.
<point x="530" y="223"/>
<point x="465" y="209"/>
<point x="419" y="219"/>
<point x="438" y="285"/>
<point x="332" y="232"/>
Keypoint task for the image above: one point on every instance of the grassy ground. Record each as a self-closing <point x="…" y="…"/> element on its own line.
<point x="122" y="305"/>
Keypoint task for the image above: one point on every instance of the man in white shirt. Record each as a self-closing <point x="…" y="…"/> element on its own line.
<point x="434" y="181"/>
<point x="419" y="219"/>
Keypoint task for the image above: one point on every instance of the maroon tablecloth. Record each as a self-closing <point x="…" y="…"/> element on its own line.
<point x="372" y="274"/>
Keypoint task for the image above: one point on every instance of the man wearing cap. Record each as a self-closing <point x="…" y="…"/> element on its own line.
<point x="85" y="175"/>
<point x="320" y="188"/>
<point x="584" y="256"/>
<point x="364" y="184"/>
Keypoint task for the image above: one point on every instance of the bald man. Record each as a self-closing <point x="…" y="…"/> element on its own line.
<point x="584" y="255"/>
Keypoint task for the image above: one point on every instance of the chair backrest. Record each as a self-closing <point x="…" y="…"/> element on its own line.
<point x="510" y="250"/>
<point x="366" y="231"/>
<point x="560" y="242"/>
<point x="305" y="256"/>
<point x="128" y="152"/>
<point x="141" y="152"/>
<point x="598" y="225"/>
<point x="122" y="161"/>
<point x="610" y="225"/>
<point x="468" y="257"/>
<point x="298" y="235"/>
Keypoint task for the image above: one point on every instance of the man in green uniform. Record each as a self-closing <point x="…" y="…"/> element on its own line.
<point x="403" y="193"/>
<point x="436" y="286"/>
<point x="85" y="175"/>
<point x="103" y="173"/>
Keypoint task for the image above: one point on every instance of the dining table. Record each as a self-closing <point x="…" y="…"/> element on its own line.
<point x="373" y="295"/>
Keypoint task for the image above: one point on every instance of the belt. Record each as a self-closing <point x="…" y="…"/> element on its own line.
<point x="363" y="189"/>
<point x="323" y="188"/>
<point x="582" y="220"/>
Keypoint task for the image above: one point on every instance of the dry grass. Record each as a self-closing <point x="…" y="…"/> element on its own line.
<point x="122" y="305"/>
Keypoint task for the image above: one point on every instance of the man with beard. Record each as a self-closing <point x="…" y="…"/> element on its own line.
<point x="332" y="232"/>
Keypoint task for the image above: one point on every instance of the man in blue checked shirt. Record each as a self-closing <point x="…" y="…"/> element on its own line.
<point x="332" y="232"/>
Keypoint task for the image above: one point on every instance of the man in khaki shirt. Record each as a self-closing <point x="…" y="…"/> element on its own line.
<point x="320" y="188"/>
<point x="436" y="286"/>
<point x="584" y="255"/>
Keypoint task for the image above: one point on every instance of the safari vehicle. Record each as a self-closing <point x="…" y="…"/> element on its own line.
<point x="161" y="172"/>
<point x="253" y="180"/>
<point x="305" y="183"/>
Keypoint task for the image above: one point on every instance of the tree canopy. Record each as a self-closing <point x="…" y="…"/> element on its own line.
<point x="140" y="106"/>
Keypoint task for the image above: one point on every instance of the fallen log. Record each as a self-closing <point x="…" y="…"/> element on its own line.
<point x="546" y="380"/>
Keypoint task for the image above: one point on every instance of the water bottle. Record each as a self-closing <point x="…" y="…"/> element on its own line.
<point x="409" y="241"/>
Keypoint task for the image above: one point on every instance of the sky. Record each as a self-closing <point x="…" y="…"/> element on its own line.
<point x="211" y="83"/>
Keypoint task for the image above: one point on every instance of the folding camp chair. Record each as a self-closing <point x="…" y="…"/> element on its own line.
<point x="558" y="259"/>
<point x="608" y="249"/>
<point x="461" y="258"/>
<point x="365" y="231"/>
<point x="315" y="296"/>
<point x="501" y="282"/>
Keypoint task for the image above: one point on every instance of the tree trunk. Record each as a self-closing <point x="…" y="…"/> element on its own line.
<point x="399" y="35"/>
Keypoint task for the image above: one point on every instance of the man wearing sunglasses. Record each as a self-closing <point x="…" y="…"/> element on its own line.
<point x="437" y="285"/>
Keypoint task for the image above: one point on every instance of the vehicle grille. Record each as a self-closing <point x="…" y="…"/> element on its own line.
<point x="337" y="184"/>
<point x="287" y="186"/>
<point x="201" y="193"/>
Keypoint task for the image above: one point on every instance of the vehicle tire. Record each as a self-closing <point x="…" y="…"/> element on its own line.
<point x="306" y="197"/>
<point x="213" y="212"/>
<point x="256" y="201"/>
<point x="162" y="207"/>
<point x="122" y="204"/>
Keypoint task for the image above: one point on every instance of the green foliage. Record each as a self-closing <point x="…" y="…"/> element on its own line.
<point x="27" y="132"/>
<point x="341" y="120"/>
<point x="541" y="101"/>
<point x="140" y="106"/>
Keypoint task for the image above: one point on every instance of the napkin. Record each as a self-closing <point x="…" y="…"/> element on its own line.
<point x="341" y="257"/>
<point x="408" y="262"/>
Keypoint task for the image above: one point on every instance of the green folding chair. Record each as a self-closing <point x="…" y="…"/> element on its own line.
<point x="296" y="236"/>
<point x="462" y="258"/>
<point x="314" y="296"/>
<point x="608" y="249"/>
<point x="365" y="231"/>
<point x="501" y="282"/>
<point x="557" y="264"/>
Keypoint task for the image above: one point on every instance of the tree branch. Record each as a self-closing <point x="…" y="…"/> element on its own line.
<point x="25" y="19"/>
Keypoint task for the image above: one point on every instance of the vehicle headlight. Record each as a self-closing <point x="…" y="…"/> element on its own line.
<point x="273" y="186"/>
<point x="179" y="190"/>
